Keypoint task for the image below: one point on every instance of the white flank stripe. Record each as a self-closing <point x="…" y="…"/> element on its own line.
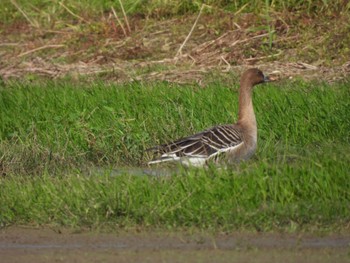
<point x="225" y="150"/>
<point x="193" y="161"/>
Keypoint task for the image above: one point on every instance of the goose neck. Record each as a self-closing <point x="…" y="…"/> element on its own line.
<point x="246" y="110"/>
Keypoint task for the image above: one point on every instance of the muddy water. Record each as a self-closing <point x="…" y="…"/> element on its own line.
<point x="47" y="245"/>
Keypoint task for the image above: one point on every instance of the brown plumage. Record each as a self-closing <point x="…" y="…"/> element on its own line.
<point x="234" y="141"/>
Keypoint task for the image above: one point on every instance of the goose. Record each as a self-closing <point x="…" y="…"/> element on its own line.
<point x="230" y="142"/>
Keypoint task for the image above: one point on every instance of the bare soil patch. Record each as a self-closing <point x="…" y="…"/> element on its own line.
<point x="47" y="245"/>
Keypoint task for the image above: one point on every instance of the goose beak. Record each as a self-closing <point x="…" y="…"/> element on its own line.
<point x="266" y="78"/>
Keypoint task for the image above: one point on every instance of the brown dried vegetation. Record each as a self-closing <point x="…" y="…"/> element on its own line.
<point x="178" y="49"/>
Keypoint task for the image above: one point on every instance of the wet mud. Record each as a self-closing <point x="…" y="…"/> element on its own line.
<point x="52" y="245"/>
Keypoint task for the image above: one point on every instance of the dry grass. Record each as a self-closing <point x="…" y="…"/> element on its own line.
<point x="180" y="49"/>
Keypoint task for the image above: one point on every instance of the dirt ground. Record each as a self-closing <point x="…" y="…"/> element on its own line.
<point x="52" y="245"/>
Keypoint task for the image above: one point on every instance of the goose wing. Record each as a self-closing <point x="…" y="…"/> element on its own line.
<point x="201" y="145"/>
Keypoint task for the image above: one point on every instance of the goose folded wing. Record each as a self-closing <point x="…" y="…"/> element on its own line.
<point x="204" y="144"/>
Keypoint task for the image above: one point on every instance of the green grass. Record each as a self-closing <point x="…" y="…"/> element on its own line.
<point x="50" y="133"/>
<point x="262" y="197"/>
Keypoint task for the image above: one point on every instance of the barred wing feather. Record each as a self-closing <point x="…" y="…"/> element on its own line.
<point x="196" y="149"/>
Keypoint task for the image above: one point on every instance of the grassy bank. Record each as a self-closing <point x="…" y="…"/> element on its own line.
<point x="50" y="125"/>
<point x="50" y="133"/>
<point x="258" y="196"/>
